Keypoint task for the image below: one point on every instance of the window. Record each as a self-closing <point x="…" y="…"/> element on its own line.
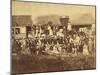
<point x="17" y="30"/>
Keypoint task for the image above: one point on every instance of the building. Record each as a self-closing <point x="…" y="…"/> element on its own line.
<point x="21" y="26"/>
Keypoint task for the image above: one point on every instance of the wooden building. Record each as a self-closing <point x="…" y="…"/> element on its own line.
<point x="21" y="26"/>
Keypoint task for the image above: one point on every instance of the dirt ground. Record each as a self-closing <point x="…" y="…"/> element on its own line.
<point x="48" y="63"/>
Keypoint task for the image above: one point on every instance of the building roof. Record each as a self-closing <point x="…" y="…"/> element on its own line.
<point x="21" y="20"/>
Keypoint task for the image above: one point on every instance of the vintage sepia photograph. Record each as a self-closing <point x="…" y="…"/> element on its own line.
<point x="52" y="37"/>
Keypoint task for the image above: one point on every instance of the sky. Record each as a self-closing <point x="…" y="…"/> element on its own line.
<point x="40" y="9"/>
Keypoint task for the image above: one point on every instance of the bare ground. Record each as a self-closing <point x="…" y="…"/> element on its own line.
<point x="48" y="63"/>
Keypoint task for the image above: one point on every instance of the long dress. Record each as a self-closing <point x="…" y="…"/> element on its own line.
<point x="85" y="50"/>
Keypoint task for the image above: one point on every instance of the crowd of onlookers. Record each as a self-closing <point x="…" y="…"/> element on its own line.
<point x="73" y="42"/>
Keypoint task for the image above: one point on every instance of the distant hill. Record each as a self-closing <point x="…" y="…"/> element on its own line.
<point x="84" y="19"/>
<point x="80" y="19"/>
<point x="46" y="18"/>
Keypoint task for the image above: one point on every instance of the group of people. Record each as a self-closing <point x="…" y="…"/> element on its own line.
<point x="74" y="42"/>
